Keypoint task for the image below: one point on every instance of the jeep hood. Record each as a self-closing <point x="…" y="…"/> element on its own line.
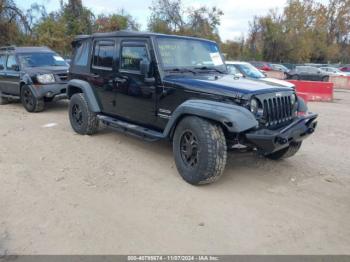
<point x="277" y="81"/>
<point x="224" y="84"/>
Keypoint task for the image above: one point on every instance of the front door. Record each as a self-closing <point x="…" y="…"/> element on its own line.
<point x="2" y="72"/>
<point x="12" y="76"/>
<point x="136" y="99"/>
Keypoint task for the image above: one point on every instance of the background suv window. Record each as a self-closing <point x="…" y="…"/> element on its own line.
<point x="11" y="61"/>
<point x="103" y="54"/>
<point x="132" y="56"/>
<point x="2" y="62"/>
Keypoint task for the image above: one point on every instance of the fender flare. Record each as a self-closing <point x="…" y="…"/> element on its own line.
<point x="234" y="118"/>
<point x="79" y="86"/>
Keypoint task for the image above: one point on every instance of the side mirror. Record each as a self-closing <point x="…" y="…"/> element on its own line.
<point x="15" y="67"/>
<point x="145" y="66"/>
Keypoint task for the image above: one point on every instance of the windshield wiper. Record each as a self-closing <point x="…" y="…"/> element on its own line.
<point x="209" y="69"/>
<point x="181" y="70"/>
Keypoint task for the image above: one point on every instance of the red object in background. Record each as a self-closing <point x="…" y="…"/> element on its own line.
<point x="345" y="69"/>
<point x="266" y="67"/>
<point x="314" y="91"/>
<point x="262" y="66"/>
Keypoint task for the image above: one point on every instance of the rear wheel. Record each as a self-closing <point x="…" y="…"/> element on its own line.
<point x="82" y="120"/>
<point x="30" y="102"/>
<point x="295" y="77"/>
<point x="287" y="152"/>
<point x="200" y="151"/>
<point x="325" y="79"/>
<point x="3" y="100"/>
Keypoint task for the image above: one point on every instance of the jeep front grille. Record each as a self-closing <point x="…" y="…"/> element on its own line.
<point x="277" y="111"/>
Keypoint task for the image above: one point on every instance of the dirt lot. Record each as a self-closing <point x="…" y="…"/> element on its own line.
<point x="62" y="193"/>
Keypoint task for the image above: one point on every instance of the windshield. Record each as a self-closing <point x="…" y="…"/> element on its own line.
<point x="250" y="71"/>
<point x="41" y="59"/>
<point x="187" y="53"/>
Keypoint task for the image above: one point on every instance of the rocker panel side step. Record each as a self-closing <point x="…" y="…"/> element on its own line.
<point x="136" y="130"/>
<point x="10" y="96"/>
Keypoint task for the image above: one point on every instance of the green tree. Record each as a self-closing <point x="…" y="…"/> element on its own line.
<point x="115" y="22"/>
<point x="171" y="17"/>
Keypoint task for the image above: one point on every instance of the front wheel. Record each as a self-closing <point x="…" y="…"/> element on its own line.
<point x="30" y="102"/>
<point x="200" y="150"/>
<point x="82" y="120"/>
<point x="287" y="152"/>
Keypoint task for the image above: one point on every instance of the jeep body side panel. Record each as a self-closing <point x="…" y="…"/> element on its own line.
<point x="235" y="118"/>
<point x="80" y="86"/>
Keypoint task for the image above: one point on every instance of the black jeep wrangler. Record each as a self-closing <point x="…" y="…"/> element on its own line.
<point x="170" y="87"/>
<point x="34" y="75"/>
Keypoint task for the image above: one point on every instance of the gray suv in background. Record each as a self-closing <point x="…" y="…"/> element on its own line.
<point x="309" y="73"/>
<point x="34" y="75"/>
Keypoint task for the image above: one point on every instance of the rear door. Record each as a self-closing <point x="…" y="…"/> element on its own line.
<point x="102" y="74"/>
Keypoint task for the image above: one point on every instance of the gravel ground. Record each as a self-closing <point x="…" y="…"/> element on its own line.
<point x="62" y="193"/>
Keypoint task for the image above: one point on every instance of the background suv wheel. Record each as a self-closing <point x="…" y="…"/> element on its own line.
<point x="82" y="120"/>
<point x="200" y="151"/>
<point x="30" y="102"/>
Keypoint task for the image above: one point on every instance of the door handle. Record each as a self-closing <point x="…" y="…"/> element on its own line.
<point x="117" y="80"/>
<point x="95" y="75"/>
<point x="120" y="80"/>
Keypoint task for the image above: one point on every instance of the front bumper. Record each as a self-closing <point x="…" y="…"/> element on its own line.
<point x="56" y="91"/>
<point x="274" y="140"/>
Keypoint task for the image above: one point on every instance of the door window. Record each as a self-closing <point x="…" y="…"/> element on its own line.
<point x="232" y="70"/>
<point x="103" y="55"/>
<point x="11" y="62"/>
<point x="82" y="54"/>
<point x="131" y="56"/>
<point x="2" y="62"/>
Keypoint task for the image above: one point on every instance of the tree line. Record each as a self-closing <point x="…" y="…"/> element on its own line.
<point x="304" y="31"/>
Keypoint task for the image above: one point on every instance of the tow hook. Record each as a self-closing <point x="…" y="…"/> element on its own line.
<point x="310" y="130"/>
<point x="281" y="140"/>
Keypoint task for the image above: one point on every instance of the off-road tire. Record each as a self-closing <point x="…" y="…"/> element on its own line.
<point x="212" y="150"/>
<point x="30" y="102"/>
<point x="3" y="100"/>
<point x="287" y="152"/>
<point x="89" y="122"/>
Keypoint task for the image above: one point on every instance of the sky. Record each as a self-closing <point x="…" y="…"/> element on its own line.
<point x="234" y="23"/>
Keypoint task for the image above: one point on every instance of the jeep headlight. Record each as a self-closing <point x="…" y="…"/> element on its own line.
<point x="254" y="106"/>
<point x="293" y="99"/>
<point x="46" y="78"/>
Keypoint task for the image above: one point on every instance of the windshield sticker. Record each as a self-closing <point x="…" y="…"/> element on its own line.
<point x="216" y="58"/>
<point x="58" y="58"/>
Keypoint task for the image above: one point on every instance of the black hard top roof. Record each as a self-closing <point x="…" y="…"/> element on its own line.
<point x="124" y="33"/>
<point x="25" y="49"/>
